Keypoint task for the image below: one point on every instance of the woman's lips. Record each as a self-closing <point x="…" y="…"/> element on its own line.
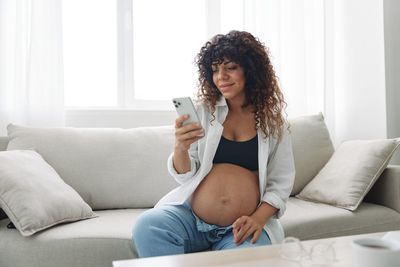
<point x="225" y="87"/>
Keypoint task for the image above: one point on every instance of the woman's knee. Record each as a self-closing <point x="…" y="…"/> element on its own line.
<point x="159" y="220"/>
<point x="146" y="223"/>
<point x="263" y="239"/>
<point x="160" y="231"/>
<point x="228" y="242"/>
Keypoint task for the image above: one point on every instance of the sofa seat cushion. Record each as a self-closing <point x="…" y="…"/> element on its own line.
<point x="96" y="242"/>
<point x="309" y="220"/>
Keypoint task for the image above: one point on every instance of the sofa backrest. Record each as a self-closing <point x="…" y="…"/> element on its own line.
<point x="109" y="168"/>
<point x="126" y="168"/>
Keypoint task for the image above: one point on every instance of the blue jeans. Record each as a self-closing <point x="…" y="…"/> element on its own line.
<point x="175" y="229"/>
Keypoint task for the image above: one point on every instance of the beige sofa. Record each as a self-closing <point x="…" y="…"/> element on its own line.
<point x="120" y="173"/>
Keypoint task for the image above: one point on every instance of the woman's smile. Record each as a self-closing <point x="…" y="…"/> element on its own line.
<point x="225" y="87"/>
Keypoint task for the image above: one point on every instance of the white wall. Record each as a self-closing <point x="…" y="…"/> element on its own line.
<point x="392" y="69"/>
<point x="356" y="97"/>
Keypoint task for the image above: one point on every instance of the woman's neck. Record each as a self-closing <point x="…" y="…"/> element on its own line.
<point x="237" y="107"/>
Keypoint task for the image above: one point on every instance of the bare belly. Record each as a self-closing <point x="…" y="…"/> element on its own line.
<point x="226" y="193"/>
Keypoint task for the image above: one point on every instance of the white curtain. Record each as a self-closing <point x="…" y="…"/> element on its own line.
<point x="293" y="30"/>
<point x="31" y="80"/>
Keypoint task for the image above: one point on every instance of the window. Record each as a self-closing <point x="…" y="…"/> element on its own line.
<point x="90" y="53"/>
<point x="131" y="53"/>
<point x="138" y="54"/>
<point x="167" y="35"/>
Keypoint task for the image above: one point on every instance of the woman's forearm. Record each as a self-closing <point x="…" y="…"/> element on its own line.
<point x="263" y="213"/>
<point x="181" y="161"/>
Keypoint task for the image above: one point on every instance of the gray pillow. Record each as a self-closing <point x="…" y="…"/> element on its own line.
<point x="350" y="173"/>
<point x="33" y="195"/>
<point x="312" y="148"/>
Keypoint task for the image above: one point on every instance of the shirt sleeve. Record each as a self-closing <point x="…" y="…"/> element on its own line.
<point x="280" y="174"/>
<point x="182" y="178"/>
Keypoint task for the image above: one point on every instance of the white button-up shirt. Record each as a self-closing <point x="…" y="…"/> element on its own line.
<point x="275" y="167"/>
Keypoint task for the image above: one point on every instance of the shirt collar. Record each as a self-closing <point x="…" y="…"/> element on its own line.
<point x="221" y="102"/>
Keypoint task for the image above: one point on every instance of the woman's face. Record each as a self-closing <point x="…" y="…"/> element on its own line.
<point x="229" y="79"/>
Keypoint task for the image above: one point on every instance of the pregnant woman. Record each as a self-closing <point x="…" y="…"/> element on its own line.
<point x="235" y="168"/>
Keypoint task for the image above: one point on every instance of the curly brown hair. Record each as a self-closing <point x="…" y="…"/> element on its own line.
<point x="261" y="85"/>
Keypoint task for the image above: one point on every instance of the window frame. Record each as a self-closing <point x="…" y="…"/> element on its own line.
<point x="125" y="58"/>
<point x="142" y="112"/>
<point x="131" y="112"/>
<point x="125" y="34"/>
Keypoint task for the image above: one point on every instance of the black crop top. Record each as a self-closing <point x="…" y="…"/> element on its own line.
<point x="244" y="154"/>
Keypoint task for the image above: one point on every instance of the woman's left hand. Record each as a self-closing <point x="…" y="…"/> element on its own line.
<point x="244" y="227"/>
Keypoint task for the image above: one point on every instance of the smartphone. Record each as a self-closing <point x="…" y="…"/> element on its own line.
<point x="184" y="106"/>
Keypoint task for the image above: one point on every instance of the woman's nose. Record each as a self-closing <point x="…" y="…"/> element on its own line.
<point x="222" y="74"/>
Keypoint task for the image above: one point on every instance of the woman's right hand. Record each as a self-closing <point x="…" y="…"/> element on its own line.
<point x="186" y="135"/>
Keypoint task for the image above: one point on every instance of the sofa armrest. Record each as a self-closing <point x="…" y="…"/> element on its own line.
<point x="386" y="190"/>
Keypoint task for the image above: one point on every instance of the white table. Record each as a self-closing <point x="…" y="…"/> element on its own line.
<point x="249" y="257"/>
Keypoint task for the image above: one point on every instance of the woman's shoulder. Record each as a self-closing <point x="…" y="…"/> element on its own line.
<point x="284" y="130"/>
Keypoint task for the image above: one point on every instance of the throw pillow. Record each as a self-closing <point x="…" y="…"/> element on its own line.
<point x="34" y="196"/>
<point x="350" y="173"/>
<point x="312" y="148"/>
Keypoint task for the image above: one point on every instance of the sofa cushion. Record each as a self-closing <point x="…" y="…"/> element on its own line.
<point x="308" y="220"/>
<point x="109" y="168"/>
<point x="350" y="173"/>
<point x="33" y="195"/>
<point x="312" y="148"/>
<point x="90" y="243"/>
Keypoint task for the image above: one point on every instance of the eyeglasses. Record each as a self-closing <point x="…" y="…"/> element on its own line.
<point x="319" y="255"/>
